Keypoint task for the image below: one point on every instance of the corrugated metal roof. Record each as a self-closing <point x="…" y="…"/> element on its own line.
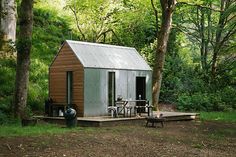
<point x="95" y="55"/>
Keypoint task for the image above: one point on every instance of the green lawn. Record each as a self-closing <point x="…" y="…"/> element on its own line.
<point x="218" y="116"/>
<point x="16" y="129"/>
<point x="39" y="129"/>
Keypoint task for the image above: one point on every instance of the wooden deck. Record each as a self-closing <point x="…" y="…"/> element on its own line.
<point x="109" y="121"/>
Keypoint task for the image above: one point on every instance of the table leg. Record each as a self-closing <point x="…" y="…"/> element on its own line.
<point x="130" y="112"/>
<point x="124" y="111"/>
<point x="162" y="124"/>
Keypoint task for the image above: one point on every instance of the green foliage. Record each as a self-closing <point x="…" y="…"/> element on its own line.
<point x="218" y="116"/>
<point x="137" y="24"/>
<point x="16" y="129"/>
<point x="148" y="52"/>
<point x="195" y="102"/>
<point x="49" y="31"/>
<point x="185" y="84"/>
<point x="131" y="23"/>
<point x="7" y="75"/>
<point x="228" y="95"/>
<point x="128" y="23"/>
<point x="223" y="100"/>
<point x="22" y="44"/>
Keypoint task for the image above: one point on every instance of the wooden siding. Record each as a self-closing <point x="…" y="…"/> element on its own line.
<point x="67" y="61"/>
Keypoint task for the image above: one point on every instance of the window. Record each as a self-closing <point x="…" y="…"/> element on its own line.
<point x="69" y="86"/>
<point x="111" y="88"/>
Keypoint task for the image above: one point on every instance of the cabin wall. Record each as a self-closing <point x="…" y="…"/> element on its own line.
<point x="96" y="88"/>
<point x="67" y="61"/>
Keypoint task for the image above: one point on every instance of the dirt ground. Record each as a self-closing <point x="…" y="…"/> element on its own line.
<point x="180" y="139"/>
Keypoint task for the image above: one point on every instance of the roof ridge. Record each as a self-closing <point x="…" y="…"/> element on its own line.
<point x="107" y="56"/>
<point x="98" y="44"/>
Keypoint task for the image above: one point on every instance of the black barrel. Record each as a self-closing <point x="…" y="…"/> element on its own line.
<point x="70" y="117"/>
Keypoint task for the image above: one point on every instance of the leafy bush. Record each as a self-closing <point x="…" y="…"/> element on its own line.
<point x="7" y="75"/>
<point x="223" y="100"/>
<point x="3" y="117"/>
<point x="228" y="95"/>
<point x="195" y="102"/>
<point x="36" y="97"/>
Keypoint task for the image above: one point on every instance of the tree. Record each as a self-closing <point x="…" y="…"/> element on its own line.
<point x="226" y="29"/>
<point x="167" y="7"/>
<point x="7" y="23"/>
<point x="198" y="26"/>
<point x="212" y="25"/>
<point x="95" y="19"/>
<point x="23" y="57"/>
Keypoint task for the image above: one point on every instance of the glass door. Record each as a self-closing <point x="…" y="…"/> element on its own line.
<point x="69" y="87"/>
<point x="111" y="88"/>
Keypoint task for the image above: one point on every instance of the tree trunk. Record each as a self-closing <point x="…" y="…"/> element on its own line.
<point x="23" y="57"/>
<point x="167" y="11"/>
<point x="7" y="22"/>
<point x="223" y="34"/>
<point x="209" y="27"/>
<point x="202" y="35"/>
<point x="217" y="46"/>
<point x="204" y="39"/>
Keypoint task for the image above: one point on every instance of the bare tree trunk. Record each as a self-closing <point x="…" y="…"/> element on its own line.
<point x="209" y="25"/>
<point x="7" y="22"/>
<point x="23" y="57"/>
<point x="204" y="42"/>
<point x="218" y="37"/>
<point x="202" y="35"/>
<point x="167" y="12"/>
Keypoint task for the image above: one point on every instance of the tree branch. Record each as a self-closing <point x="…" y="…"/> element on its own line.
<point x="156" y="16"/>
<point x="197" y="5"/>
<point x="228" y="35"/>
<point x="188" y="33"/>
<point x="104" y="32"/>
<point x="107" y="31"/>
<point x="228" y="64"/>
<point x="232" y="18"/>
<point x="77" y="22"/>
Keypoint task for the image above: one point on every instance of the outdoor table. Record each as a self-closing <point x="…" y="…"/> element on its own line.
<point x="124" y="105"/>
<point x="138" y="107"/>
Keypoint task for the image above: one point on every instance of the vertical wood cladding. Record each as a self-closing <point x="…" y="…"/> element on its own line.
<point x="65" y="61"/>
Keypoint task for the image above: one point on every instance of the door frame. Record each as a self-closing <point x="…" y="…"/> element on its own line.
<point x="69" y="87"/>
<point x="111" y="75"/>
<point x="143" y="95"/>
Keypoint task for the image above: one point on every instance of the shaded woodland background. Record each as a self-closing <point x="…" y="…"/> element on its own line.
<point x="200" y="67"/>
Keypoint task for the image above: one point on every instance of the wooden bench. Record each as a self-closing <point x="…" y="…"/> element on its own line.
<point x="154" y="120"/>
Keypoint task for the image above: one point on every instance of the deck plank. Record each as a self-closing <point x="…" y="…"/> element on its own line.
<point x="109" y="121"/>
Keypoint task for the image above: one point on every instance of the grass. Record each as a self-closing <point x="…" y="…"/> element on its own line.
<point x="218" y="116"/>
<point x="39" y="129"/>
<point x="15" y="129"/>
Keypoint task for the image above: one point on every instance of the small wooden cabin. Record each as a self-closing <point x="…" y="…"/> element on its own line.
<point x="92" y="76"/>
